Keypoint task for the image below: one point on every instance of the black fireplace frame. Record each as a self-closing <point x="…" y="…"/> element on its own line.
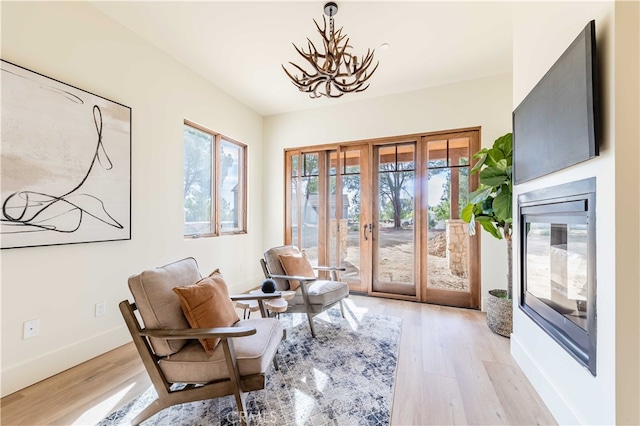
<point x="573" y="198"/>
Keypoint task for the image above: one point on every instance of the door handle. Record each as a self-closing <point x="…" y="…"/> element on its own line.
<point x="364" y="231"/>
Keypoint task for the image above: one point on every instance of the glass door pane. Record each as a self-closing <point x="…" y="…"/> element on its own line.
<point x="333" y="247"/>
<point x="302" y="203"/>
<point x="350" y="226"/>
<point x="294" y="195"/>
<point x="310" y="207"/>
<point x="448" y="241"/>
<point x="199" y="219"/>
<point x="345" y="214"/>
<point x="393" y="227"/>
<point x="231" y="187"/>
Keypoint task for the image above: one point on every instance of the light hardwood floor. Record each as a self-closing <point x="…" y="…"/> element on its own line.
<point x="451" y="370"/>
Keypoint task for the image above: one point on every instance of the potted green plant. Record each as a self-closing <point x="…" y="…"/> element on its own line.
<point x="490" y="206"/>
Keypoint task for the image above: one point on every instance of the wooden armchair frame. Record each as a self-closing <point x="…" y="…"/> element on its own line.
<point x="235" y="385"/>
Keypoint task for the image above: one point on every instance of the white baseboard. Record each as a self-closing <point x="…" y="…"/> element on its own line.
<point x="560" y="409"/>
<point x="46" y="365"/>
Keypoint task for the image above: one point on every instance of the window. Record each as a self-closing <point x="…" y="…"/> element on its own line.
<point x="232" y="186"/>
<point x="214" y="183"/>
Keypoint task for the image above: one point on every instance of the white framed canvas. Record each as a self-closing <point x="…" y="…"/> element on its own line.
<point x="66" y="163"/>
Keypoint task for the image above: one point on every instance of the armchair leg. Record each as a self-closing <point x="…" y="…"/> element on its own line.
<point x="275" y="362"/>
<point x="313" y="330"/>
<point x="152" y="409"/>
<point x="242" y="408"/>
<point x="342" y="308"/>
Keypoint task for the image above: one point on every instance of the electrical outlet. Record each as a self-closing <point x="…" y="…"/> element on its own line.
<point x="100" y="309"/>
<point x="31" y="329"/>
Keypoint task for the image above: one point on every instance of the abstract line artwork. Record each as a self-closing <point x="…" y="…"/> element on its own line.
<point x="65" y="163"/>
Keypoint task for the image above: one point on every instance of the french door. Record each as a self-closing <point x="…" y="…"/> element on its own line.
<point x="325" y="212"/>
<point x="349" y="247"/>
<point x="388" y="211"/>
<point x="451" y="270"/>
<point x="394" y="212"/>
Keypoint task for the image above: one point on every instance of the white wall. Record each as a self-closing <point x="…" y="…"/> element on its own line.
<point x="542" y="31"/>
<point x="484" y="102"/>
<point x="76" y="44"/>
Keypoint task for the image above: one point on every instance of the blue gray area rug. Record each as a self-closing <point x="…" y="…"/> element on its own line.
<point x="343" y="377"/>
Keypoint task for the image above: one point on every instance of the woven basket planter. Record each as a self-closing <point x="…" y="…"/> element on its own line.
<point x="499" y="312"/>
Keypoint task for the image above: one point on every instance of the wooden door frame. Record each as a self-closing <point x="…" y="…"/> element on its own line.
<point x="469" y="299"/>
<point x="375" y="218"/>
<point x="365" y="213"/>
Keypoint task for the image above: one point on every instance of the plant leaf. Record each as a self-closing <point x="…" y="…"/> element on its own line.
<point x="509" y="171"/>
<point x="480" y="153"/>
<point x="472" y="225"/>
<point x="472" y="228"/>
<point x="493" y="177"/>
<point x="487" y="206"/>
<point x="507" y="145"/>
<point x="496" y="155"/>
<point x="491" y="228"/>
<point x="502" y="165"/>
<point x="481" y="156"/>
<point x="480" y="195"/>
<point x="484" y="219"/>
<point x="467" y="213"/>
<point x="502" y="206"/>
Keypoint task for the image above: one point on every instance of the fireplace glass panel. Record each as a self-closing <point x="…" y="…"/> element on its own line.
<point x="557" y="268"/>
<point x="557" y="240"/>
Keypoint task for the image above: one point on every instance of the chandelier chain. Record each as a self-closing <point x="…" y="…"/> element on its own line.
<point x="331" y="24"/>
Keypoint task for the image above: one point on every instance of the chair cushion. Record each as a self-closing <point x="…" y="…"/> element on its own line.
<point x="253" y="353"/>
<point x="297" y="265"/>
<point x="272" y="259"/>
<point x="207" y="305"/>
<point x="158" y="305"/>
<point x="322" y="293"/>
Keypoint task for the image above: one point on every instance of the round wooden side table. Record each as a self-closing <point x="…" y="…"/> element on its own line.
<point x="247" y="305"/>
<point x="275" y="306"/>
<point x="280" y="304"/>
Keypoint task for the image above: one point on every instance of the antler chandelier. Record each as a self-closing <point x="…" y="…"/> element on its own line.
<point x="335" y="71"/>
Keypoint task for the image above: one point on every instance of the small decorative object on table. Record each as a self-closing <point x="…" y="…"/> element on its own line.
<point x="268" y="286"/>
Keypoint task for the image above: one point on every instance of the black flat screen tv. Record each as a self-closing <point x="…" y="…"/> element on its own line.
<point x="556" y="125"/>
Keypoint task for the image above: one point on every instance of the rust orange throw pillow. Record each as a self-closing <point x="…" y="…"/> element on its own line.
<point x="206" y="304"/>
<point x="298" y="265"/>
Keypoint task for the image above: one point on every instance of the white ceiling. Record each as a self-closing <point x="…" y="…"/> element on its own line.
<point x="240" y="45"/>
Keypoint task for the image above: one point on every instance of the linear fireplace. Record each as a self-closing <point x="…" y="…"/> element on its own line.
<point x="558" y="265"/>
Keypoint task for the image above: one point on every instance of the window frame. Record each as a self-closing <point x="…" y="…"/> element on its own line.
<point x="216" y="183"/>
<point x="242" y="183"/>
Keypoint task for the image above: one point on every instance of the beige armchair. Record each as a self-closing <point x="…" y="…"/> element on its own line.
<point x="313" y="295"/>
<point x="172" y="353"/>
